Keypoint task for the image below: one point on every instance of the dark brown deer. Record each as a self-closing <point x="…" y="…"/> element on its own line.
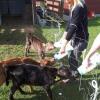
<point x="28" y="74"/>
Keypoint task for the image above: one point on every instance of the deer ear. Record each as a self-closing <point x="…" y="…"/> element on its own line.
<point x="5" y="66"/>
<point x="43" y="63"/>
<point x="43" y="44"/>
<point x="52" y="59"/>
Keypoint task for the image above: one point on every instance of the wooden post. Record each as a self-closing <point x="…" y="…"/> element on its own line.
<point x="34" y="10"/>
<point x="0" y="20"/>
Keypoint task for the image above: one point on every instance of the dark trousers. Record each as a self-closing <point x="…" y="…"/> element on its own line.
<point x="74" y="57"/>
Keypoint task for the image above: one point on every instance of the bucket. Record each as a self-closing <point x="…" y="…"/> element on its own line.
<point x="94" y="60"/>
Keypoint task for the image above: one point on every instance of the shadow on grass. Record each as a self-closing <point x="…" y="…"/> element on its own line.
<point x="69" y="91"/>
<point x="36" y="95"/>
<point x="60" y="92"/>
<point x="75" y="90"/>
<point x="15" y="35"/>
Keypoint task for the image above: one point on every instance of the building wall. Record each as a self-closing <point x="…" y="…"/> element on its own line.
<point x="55" y="6"/>
<point x="93" y="5"/>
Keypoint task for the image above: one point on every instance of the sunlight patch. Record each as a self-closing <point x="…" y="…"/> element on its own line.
<point x="13" y="29"/>
<point x="2" y="31"/>
<point x="22" y="30"/>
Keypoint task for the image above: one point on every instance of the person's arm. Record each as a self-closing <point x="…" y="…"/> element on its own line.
<point x="94" y="48"/>
<point x="63" y="47"/>
<point x="75" y="20"/>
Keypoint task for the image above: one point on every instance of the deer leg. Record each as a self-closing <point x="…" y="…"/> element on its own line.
<point x="27" y="48"/>
<point x="49" y="92"/>
<point x="12" y="91"/>
<point x="21" y="91"/>
<point x="41" y="54"/>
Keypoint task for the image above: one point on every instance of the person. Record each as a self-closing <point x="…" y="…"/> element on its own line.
<point x="92" y="51"/>
<point x="76" y="32"/>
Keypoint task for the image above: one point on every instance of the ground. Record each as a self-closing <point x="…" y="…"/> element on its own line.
<point x="12" y="42"/>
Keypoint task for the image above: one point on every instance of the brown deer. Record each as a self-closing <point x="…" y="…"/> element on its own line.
<point x="36" y="44"/>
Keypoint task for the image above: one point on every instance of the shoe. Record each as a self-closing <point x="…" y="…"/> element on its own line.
<point x="75" y="74"/>
<point x="66" y="80"/>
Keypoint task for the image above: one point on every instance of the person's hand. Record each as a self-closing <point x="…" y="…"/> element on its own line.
<point x="62" y="50"/>
<point x="63" y="47"/>
<point x="86" y="62"/>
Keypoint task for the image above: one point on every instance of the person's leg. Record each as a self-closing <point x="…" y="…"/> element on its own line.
<point x="73" y="61"/>
<point x="74" y="58"/>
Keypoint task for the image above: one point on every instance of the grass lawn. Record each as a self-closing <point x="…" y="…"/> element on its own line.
<point x="12" y="42"/>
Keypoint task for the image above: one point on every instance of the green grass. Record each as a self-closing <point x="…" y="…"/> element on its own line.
<point x="12" y="45"/>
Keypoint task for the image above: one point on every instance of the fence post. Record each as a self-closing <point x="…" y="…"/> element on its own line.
<point x="0" y="20"/>
<point x="34" y="10"/>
